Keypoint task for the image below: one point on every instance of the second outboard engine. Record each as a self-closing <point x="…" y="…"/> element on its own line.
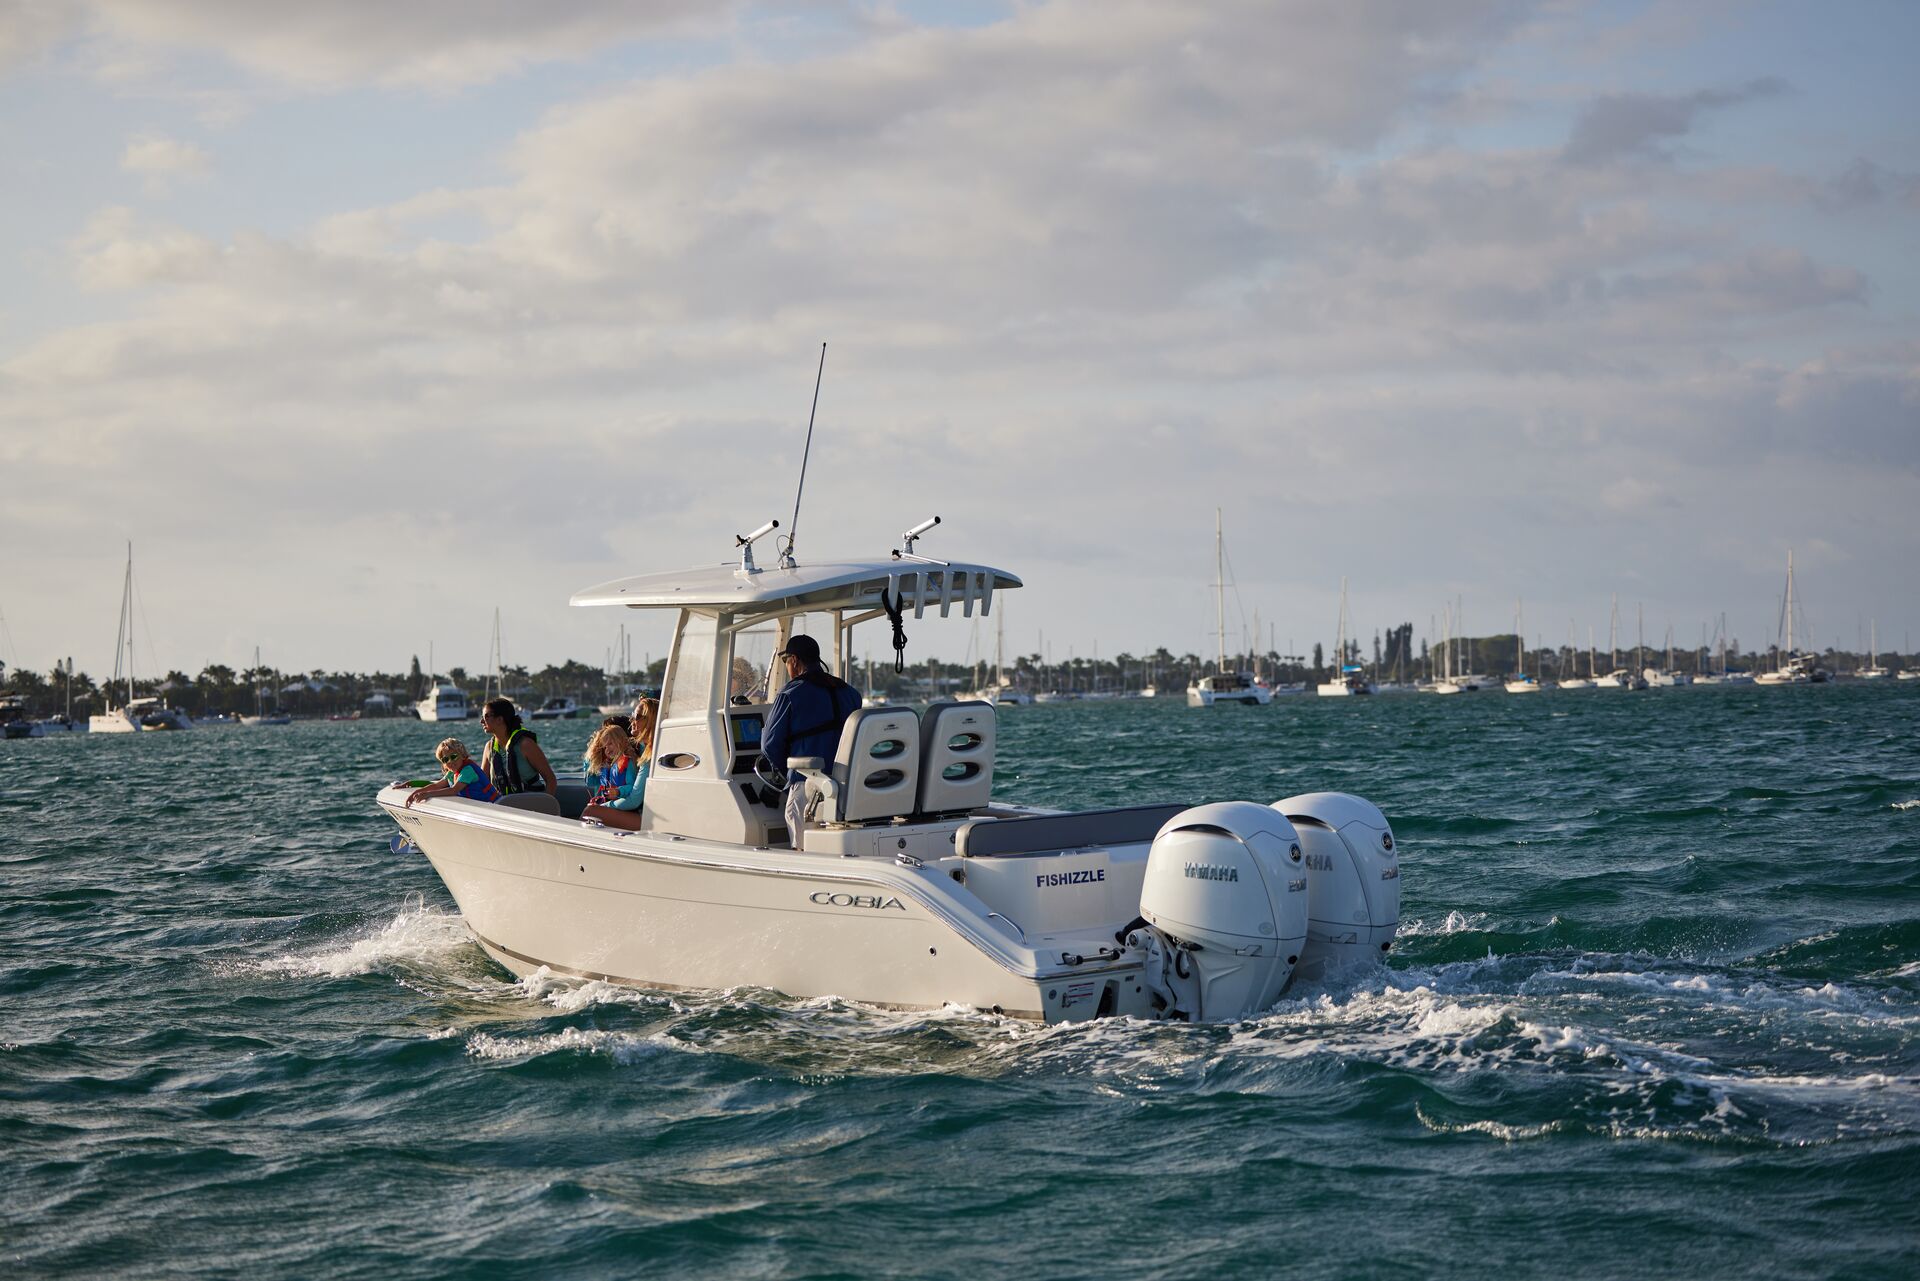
<point x="1353" y="880"/>
<point x="1226" y="896"/>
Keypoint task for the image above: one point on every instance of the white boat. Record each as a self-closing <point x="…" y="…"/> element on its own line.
<point x="1791" y="666"/>
<point x="1520" y="682"/>
<point x="1228" y="687"/>
<point x="445" y="703"/>
<point x="1573" y="679"/>
<point x="916" y="889"/>
<point x="1223" y="685"/>
<point x="1347" y="679"/>
<point x="1441" y="680"/>
<point x="136" y="715"/>
<point x="261" y="716"/>
<point x="1668" y="676"/>
<point x="560" y="709"/>
<point x="1873" y="671"/>
<point x="1003" y="692"/>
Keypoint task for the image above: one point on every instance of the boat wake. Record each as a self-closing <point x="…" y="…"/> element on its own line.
<point x="417" y="939"/>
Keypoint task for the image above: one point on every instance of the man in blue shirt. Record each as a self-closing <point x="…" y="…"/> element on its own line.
<point x="807" y="716"/>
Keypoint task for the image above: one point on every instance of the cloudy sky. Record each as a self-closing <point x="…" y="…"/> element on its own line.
<point x="362" y="321"/>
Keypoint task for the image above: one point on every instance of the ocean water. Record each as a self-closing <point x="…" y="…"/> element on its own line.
<point x="1655" y="1013"/>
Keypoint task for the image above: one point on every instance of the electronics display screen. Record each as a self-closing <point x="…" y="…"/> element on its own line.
<point x="746" y="732"/>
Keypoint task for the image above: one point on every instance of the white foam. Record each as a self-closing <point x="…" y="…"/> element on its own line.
<point x="1907" y="805"/>
<point x="621" y="1047"/>
<point x="1498" y="1129"/>
<point x="421" y="937"/>
<point x="570" y="995"/>
<point x="1826" y="1001"/>
<point x="1455" y="923"/>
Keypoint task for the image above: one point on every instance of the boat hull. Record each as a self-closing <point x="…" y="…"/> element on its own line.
<point x="653" y="910"/>
<point x="1255" y="697"/>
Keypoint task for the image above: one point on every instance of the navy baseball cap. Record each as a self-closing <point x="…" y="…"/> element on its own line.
<point x="804" y="648"/>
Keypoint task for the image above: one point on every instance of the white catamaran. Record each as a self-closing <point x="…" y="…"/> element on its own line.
<point x="1224" y="684"/>
<point x="1347" y="677"/>
<point x="136" y="714"/>
<point x="915" y="888"/>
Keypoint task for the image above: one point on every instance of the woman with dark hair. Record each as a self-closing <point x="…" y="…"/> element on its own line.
<point x="513" y="759"/>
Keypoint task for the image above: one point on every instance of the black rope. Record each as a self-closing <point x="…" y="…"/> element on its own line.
<point x="893" y="609"/>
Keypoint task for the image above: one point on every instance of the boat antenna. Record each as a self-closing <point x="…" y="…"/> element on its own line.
<point x="793" y="526"/>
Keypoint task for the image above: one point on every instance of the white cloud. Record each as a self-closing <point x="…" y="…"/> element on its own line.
<point x="1095" y="267"/>
<point x="432" y="43"/>
<point x="28" y="28"/>
<point x="159" y="158"/>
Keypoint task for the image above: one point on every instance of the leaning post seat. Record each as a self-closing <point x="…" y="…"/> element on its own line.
<point x="876" y="771"/>
<point x="956" y="757"/>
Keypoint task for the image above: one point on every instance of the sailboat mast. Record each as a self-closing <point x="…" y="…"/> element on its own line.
<point x="126" y="626"/>
<point x="1000" y="649"/>
<point x="1220" y="588"/>
<point x="1790" y="596"/>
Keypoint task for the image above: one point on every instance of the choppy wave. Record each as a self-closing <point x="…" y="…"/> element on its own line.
<point x="1667" y="944"/>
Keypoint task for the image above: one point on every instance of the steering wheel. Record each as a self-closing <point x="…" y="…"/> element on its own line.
<point x="764" y="771"/>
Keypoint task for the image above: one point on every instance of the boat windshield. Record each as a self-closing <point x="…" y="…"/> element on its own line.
<point x="690" y="671"/>
<point x="752" y="661"/>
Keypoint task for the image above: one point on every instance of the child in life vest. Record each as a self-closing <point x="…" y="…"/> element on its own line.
<point x="617" y="773"/>
<point x="461" y="776"/>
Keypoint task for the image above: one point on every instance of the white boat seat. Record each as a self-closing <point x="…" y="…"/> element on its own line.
<point x="956" y="757"/>
<point x="1045" y="833"/>
<point x="875" y="773"/>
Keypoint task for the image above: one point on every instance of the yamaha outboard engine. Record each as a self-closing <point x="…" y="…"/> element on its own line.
<point x="1353" y="880"/>
<point x="1225" y="895"/>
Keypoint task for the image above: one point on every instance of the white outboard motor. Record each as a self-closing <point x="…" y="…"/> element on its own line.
<point x="1226" y="896"/>
<point x="1353" y="880"/>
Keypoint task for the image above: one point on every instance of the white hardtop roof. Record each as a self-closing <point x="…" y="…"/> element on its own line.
<point x="843" y="584"/>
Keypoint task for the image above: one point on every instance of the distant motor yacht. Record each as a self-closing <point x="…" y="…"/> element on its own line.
<point x="557" y="709"/>
<point x="445" y="703"/>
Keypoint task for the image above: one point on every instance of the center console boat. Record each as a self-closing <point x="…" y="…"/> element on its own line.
<point x="913" y="887"/>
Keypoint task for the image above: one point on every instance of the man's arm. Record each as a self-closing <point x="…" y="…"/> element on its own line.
<point x="773" y="740"/>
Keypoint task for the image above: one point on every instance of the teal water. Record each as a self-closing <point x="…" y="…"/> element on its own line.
<point x="1655" y="1012"/>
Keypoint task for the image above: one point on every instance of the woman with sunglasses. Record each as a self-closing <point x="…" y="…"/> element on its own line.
<point x="512" y="758"/>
